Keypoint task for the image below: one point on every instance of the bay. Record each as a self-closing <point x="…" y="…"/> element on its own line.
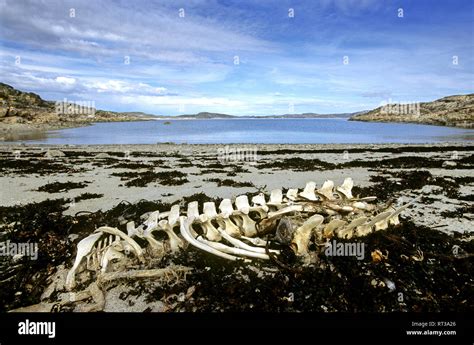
<point x="258" y="131"/>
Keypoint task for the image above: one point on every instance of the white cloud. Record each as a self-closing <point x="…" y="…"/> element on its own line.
<point x="66" y="80"/>
<point x="121" y="87"/>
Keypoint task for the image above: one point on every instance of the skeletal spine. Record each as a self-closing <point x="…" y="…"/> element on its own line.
<point x="235" y="234"/>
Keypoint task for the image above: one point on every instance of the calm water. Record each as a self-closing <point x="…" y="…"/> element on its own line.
<point x="294" y="131"/>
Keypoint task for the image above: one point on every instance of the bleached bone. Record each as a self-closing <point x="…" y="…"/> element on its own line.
<point x="110" y="254"/>
<point x="393" y="219"/>
<point x="231" y="250"/>
<point x="262" y="211"/>
<point x="276" y="198"/>
<point x="247" y="224"/>
<point x="226" y="208"/>
<point x="308" y="192"/>
<point x="174" y="240"/>
<point x="152" y="225"/>
<point x="226" y="211"/>
<point x="153" y="273"/>
<point x="152" y="221"/>
<point x="292" y="194"/>
<point x="380" y="222"/>
<point x="286" y="210"/>
<point x="259" y="202"/>
<point x="365" y="229"/>
<point x="84" y="247"/>
<point x="209" y="229"/>
<point x="303" y="234"/>
<point x="242" y="245"/>
<point x="242" y="204"/>
<point x="131" y="230"/>
<point x="361" y="205"/>
<point x="114" y="231"/>
<point x="193" y="210"/>
<point x="340" y="209"/>
<point x="345" y="190"/>
<point x="332" y="226"/>
<point x="173" y="216"/>
<point x="209" y="210"/>
<point x="255" y="241"/>
<point x="184" y="229"/>
<point x="354" y="226"/>
<point x="368" y="198"/>
<point x="326" y="191"/>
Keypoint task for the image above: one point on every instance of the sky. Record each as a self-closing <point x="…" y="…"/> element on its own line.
<point x="238" y="57"/>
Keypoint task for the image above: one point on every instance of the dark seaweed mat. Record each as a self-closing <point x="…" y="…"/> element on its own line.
<point x="57" y="187"/>
<point x="142" y="179"/>
<point x="41" y="223"/>
<point x="36" y="166"/>
<point x="405" y="162"/>
<point x="230" y="183"/>
<point x="384" y="187"/>
<point x="441" y="282"/>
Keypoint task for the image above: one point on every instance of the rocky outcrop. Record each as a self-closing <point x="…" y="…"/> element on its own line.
<point x="17" y="107"/>
<point x="455" y="111"/>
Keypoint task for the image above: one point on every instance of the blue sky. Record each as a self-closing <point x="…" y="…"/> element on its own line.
<point x="238" y="57"/>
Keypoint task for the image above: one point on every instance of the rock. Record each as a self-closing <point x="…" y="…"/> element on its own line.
<point x="3" y="111"/>
<point x="431" y="189"/>
<point x="54" y="154"/>
<point x="449" y="164"/>
<point x="448" y="111"/>
<point x="13" y="120"/>
<point x="102" y="155"/>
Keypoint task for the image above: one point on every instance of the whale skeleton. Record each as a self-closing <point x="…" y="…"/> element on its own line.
<point x="240" y="230"/>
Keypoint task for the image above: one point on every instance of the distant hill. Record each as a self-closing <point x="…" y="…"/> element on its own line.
<point x="18" y="107"/>
<point x="310" y="116"/>
<point x="207" y="115"/>
<point x="455" y="111"/>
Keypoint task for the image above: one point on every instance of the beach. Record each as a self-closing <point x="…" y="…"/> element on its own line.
<point x="108" y="170"/>
<point x="54" y="196"/>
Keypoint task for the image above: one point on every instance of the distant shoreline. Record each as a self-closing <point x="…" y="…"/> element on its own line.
<point x="32" y="134"/>
<point x="249" y="118"/>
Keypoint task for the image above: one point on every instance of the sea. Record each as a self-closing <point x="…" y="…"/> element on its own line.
<point x="256" y="131"/>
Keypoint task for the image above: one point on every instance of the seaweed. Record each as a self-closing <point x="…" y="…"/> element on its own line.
<point x="298" y="164"/>
<point x="87" y="196"/>
<point x="142" y="179"/>
<point x="58" y="187"/>
<point x="230" y="183"/>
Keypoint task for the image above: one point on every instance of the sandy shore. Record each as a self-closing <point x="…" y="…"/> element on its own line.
<point x="108" y="172"/>
<point x="56" y="195"/>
